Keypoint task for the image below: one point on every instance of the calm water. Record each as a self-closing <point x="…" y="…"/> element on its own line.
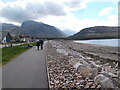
<point x="108" y="42"/>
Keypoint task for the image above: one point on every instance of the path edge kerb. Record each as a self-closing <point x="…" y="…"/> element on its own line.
<point x="47" y="69"/>
<point x="47" y="73"/>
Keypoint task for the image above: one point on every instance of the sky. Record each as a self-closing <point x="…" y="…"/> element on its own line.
<point x="73" y="15"/>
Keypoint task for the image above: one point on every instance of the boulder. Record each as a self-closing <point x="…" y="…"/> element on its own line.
<point x="94" y="73"/>
<point x="109" y="74"/>
<point x="62" y="51"/>
<point x="76" y="62"/>
<point x="109" y="69"/>
<point x="82" y="61"/>
<point x="84" y="70"/>
<point x="94" y="65"/>
<point x="104" y="81"/>
<point x="74" y="55"/>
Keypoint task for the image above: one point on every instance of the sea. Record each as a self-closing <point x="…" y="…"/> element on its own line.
<point x="107" y="42"/>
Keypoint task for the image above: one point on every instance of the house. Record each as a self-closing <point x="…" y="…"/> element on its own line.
<point x="6" y="37"/>
<point x="24" y="38"/>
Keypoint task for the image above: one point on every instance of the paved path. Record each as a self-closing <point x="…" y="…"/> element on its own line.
<point x="26" y="71"/>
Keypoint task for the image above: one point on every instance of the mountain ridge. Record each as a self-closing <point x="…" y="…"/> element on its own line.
<point x="97" y="32"/>
<point x="37" y="29"/>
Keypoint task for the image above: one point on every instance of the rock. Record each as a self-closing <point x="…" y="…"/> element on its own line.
<point x="74" y="55"/>
<point x="90" y="83"/>
<point x="109" y="69"/>
<point x="93" y="86"/>
<point x="51" y="83"/>
<point x="87" y="86"/>
<point x="118" y="74"/>
<point x="82" y="86"/>
<point x="82" y="81"/>
<point x="113" y="75"/>
<point x="104" y="81"/>
<point x="82" y="61"/>
<point x="85" y="71"/>
<point x="98" y="62"/>
<point x="94" y="73"/>
<point x="62" y="51"/>
<point x="94" y="65"/>
<point x="99" y="86"/>
<point x="99" y="68"/>
<point x="109" y="74"/>
<point x="105" y="73"/>
<point x="116" y="82"/>
<point x="74" y="61"/>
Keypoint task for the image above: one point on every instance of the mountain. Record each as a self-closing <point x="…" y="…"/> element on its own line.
<point x="8" y="27"/>
<point x="69" y="32"/>
<point x="38" y="29"/>
<point x="97" y="32"/>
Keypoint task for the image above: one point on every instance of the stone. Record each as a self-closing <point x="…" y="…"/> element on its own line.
<point x="82" y="81"/>
<point x="74" y="61"/>
<point x="98" y="62"/>
<point x="87" y="86"/>
<point x="105" y="73"/>
<point x="104" y="81"/>
<point x="85" y="71"/>
<point x="118" y="73"/>
<point x="74" y="55"/>
<point x="82" y="61"/>
<point x="62" y="51"/>
<point x="99" y="68"/>
<point x="113" y="75"/>
<point x="94" y="73"/>
<point x="93" y="86"/>
<point x="51" y="83"/>
<point x="94" y="65"/>
<point x="109" y="69"/>
<point x="99" y="86"/>
<point x="81" y="86"/>
<point x="109" y="74"/>
<point x="90" y="83"/>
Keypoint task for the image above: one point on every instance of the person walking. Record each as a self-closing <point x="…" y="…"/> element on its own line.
<point x="38" y="44"/>
<point x="41" y="43"/>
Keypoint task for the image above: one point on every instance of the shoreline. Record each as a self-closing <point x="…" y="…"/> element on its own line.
<point x="103" y="51"/>
<point x="97" y="44"/>
<point x="70" y="66"/>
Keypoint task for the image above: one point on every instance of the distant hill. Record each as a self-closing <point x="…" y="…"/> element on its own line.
<point x="8" y="27"/>
<point x="98" y="32"/>
<point x="35" y="29"/>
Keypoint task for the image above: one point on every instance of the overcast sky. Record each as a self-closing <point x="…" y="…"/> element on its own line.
<point x="65" y="14"/>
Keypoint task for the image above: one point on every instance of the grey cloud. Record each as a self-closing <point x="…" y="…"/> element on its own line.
<point x="32" y="11"/>
<point x="15" y="14"/>
<point x="73" y="4"/>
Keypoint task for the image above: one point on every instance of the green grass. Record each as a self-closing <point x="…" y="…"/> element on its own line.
<point x="8" y="53"/>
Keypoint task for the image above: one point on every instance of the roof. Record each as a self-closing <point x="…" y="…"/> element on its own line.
<point x="23" y="36"/>
<point x="4" y="33"/>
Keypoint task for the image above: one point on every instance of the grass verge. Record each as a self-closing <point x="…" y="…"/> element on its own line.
<point x="9" y="53"/>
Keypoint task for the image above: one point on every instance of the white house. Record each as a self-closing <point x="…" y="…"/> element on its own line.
<point x="6" y="37"/>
